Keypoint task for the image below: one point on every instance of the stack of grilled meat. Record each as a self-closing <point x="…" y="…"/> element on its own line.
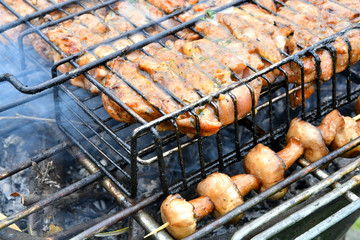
<point x="220" y="50"/>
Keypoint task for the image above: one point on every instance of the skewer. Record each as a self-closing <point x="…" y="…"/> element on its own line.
<point x="357" y="117"/>
<point x="13" y="226"/>
<point x="165" y="225"/>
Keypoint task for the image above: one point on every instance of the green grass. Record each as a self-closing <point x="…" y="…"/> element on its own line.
<point x="356" y="225"/>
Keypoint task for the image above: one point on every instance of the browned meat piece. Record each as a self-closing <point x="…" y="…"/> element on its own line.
<point x="200" y="8"/>
<point x="86" y="31"/>
<point x="308" y="9"/>
<point x="168" y="6"/>
<point x="187" y="69"/>
<point x="210" y="50"/>
<point x="249" y="30"/>
<point x="71" y="45"/>
<point x="143" y="108"/>
<point x="296" y="97"/>
<point x="269" y="4"/>
<point x="224" y="38"/>
<point x="139" y="11"/>
<point x="318" y="28"/>
<point x="196" y="73"/>
<point x="305" y="38"/>
<point x="336" y="9"/>
<point x="203" y="52"/>
<point x="22" y="8"/>
<point x="353" y="4"/>
<point x="137" y="16"/>
<point x="161" y="74"/>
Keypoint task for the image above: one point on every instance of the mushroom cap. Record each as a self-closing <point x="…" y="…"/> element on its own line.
<point x="222" y="191"/>
<point x="310" y="137"/>
<point x="267" y="165"/>
<point x="347" y="133"/>
<point x="330" y="125"/>
<point x="180" y="215"/>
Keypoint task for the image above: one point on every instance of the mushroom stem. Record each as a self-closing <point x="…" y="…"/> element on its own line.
<point x="291" y="152"/>
<point x="202" y="207"/>
<point x="246" y="182"/>
<point x="330" y="125"/>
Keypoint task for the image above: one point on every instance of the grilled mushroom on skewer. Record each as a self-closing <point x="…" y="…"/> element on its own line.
<point x="246" y="182"/>
<point x="269" y="166"/>
<point x="224" y="192"/>
<point x="346" y="133"/>
<point x="181" y="216"/>
<point x="218" y="191"/>
<point x="310" y="137"/>
<point x="330" y="125"/>
<point x="338" y="130"/>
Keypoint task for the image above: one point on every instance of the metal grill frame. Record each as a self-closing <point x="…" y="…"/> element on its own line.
<point x="221" y="163"/>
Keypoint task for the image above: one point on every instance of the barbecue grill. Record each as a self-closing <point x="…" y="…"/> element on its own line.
<point x="121" y="155"/>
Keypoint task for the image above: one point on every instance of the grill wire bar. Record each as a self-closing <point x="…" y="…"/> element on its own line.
<point x="330" y="221"/>
<point x="133" y="156"/>
<point x="284" y="206"/>
<point x="340" y="189"/>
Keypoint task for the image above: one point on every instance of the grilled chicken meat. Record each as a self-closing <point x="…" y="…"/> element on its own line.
<point x="209" y="76"/>
<point x="184" y="91"/>
<point x="349" y="3"/>
<point x="141" y="13"/>
<point x="234" y="39"/>
<point x="168" y="6"/>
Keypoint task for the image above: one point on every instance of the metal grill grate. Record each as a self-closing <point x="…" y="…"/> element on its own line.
<point x="126" y="147"/>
